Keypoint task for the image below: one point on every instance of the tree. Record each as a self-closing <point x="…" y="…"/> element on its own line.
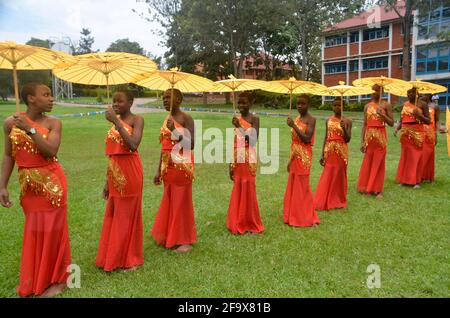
<point x="125" y="45"/>
<point x="309" y="18"/>
<point x="85" y="44"/>
<point x="40" y="43"/>
<point x="44" y="77"/>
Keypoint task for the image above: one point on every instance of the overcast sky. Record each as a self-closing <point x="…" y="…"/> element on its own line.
<point x="108" y="20"/>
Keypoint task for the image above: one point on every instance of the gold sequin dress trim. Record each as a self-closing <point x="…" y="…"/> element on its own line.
<point x="179" y="162"/>
<point x="430" y="130"/>
<point x="42" y="182"/>
<point x="116" y="174"/>
<point x="340" y="148"/>
<point x="416" y="137"/>
<point x="376" y="135"/>
<point x="114" y="135"/>
<point x="299" y="150"/>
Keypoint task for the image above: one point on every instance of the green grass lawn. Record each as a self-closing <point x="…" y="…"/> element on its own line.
<point x="406" y="234"/>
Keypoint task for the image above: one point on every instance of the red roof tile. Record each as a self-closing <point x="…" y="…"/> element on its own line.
<point x="362" y="19"/>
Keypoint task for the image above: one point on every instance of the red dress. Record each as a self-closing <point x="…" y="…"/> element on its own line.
<point x="243" y="211"/>
<point x="373" y="168"/>
<point x="43" y="196"/>
<point x="174" y="223"/>
<point x="299" y="207"/>
<point x="429" y="147"/>
<point x="331" y="192"/>
<point x="412" y="138"/>
<point x="121" y="240"/>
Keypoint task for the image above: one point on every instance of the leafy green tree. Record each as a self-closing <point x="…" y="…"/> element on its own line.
<point x="85" y="43"/>
<point x="125" y="45"/>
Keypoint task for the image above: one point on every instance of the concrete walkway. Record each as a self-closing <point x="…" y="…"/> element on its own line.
<point x="134" y="108"/>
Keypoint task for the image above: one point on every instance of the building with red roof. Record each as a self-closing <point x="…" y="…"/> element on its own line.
<point x="369" y="44"/>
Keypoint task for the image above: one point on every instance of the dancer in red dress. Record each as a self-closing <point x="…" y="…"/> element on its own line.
<point x="412" y="137"/>
<point x="331" y="192"/>
<point x="373" y="145"/>
<point x="121" y="241"/>
<point x="430" y="141"/>
<point x="243" y="211"/>
<point x="174" y="223"/>
<point x="32" y="141"/>
<point x="299" y="207"/>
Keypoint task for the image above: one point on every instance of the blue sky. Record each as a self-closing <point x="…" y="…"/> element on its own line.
<point x="108" y="21"/>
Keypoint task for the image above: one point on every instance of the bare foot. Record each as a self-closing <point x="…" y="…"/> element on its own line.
<point x="417" y="186"/>
<point x="184" y="248"/>
<point x="131" y="269"/>
<point x="380" y="196"/>
<point x="53" y="291"/>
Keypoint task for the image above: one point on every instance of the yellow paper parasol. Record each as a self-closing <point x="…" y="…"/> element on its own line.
<point x="233" y="85"/>
<point x="108" y="68"/>
<point x="26" y="57"/>
<point x="173" y="79"/>
<point x="387" y="84"/>
<point x="421" y="87"/>
<point x="344" y="90"/>
<point x="292" y="86"/>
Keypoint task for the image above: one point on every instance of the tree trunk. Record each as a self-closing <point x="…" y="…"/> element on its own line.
<point x="240" y="66"/>
<point x="407" y="41"/>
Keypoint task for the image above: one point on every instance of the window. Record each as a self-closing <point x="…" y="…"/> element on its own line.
<point x="354" y="37"/>
<point x="335" y="40"/>
<point x="434" y="23"/>
<point x="354" y="66"/>
<point x="332" y="68"/>
<point x="433" y="58"/>
<point x="446" y="13"/>
<point x="375" y="64"/>
<point x="443" y="65"/>
<point x="374" y="34"/>
<point x="421" y="67"/>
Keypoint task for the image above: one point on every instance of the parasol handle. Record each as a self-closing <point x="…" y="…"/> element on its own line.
<point x="290" y="104"/>
<point x="234" y="103"/>
<point x="342" y="105"/>
<point x="171" y="100"/>
<point x="107" y="88"/>
<point x="16" y="87"/>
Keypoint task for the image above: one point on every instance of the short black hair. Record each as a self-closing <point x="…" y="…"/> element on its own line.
<point x="129" y="95"/>
<point x="305" y="97"/>
<point x="27" y="90"/>
<point x="248" y="95"/>
<point x="340" y="100"/>
<point x="176" y="92"/>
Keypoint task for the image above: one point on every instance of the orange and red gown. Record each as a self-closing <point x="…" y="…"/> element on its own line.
<point x="175" y="223"/>
<point x="429" y="147"/>
<point x="299" y="207"/>
<point x="243" y="211"/>
<point x="331" y="192"/>
<point x="411" y="138"/>
<point x="121" y="240"/>
<point x="43" y="197"/>
<point x="373" y="168"/>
